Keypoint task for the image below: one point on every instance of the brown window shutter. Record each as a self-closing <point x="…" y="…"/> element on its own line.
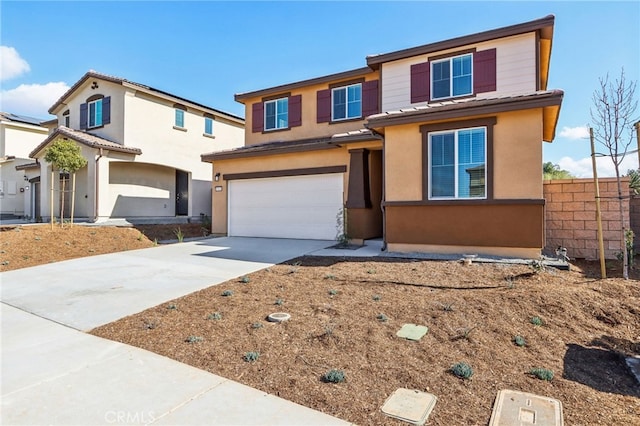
<point x="370" y="98"/>
<point x="295" y="110"/>
<point x="84" y="113"/>
<point x="257" y="117"/>
<point x="420" y="82"/>
<point x="484" y="71"/>
<point x="324" y="106"/>
<point x="106" y="110"/>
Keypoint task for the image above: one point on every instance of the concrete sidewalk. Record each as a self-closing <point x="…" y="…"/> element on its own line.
<point x="54" y="374"/>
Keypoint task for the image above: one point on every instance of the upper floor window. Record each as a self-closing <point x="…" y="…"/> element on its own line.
<point x="457" y="164"/>
<point x="95" y="113"/>
<point x="346" y="102"/>
<point x="451" y="77"/>
<point x="66" y="121"/>
<point x="179" y="115"/>
<point x="276" y="114"/>
<point x="208" y="126"/>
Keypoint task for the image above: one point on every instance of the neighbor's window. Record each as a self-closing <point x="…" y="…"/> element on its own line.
<point x="451" y="77"/>
<point x="66" y="118"/>
<point x="94" y="118"/>
<point x="346" y="102"/>
<point x="276" y="114"/>
<point x="179" y="121"/>
<point x="208" y="126"/>
<point x="457" y="164"/>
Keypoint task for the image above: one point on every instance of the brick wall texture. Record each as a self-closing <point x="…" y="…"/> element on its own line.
<point x="570" y="217"/>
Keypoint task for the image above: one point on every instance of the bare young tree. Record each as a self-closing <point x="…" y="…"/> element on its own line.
<point x="613" y="115"/>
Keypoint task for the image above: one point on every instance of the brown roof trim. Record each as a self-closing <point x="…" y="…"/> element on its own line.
<point x="374" y="61"/>
<point x="282" y="173"/>
<point x="239" y="97"/>
<point x="124" y="82"/>
<point x="270" y="148"/>
<point x="34" y="165"/>
<point x="514" y="201"/>
<point x="467" y="108"/>
<point x="84" y="138"/>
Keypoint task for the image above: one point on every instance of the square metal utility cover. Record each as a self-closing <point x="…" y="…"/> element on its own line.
<point x="524" y="409"/>
<point x="412" y="331"/>
<point x="409" y="405"/>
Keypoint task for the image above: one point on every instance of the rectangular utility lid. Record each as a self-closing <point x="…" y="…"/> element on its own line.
<point x="514" y="408"/>
<point x="412" y="331"/>
<point x="409" y="405"/>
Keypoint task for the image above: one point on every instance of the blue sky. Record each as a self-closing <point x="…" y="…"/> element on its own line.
<point x="208" y="51"/>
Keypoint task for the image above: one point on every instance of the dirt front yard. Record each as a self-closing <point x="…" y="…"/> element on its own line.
<point x="345" y="314"/>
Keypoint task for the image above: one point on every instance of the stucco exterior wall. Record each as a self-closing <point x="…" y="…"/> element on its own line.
<point x="310" y="128"/>
<point x="338" y="156"/>
<point x="141" y="190"/>
<point x="515" y="70"/>
<point x="571" y="216"/>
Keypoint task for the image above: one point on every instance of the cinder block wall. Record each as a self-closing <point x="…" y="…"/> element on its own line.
<point x="570" y="216"/>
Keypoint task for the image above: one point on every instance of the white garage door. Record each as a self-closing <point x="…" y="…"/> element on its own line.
<point x="302" y="207"/>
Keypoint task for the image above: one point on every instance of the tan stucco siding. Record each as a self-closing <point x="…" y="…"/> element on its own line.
<point x="515" y="70"/>
<point x="338" y="156"/>
<point x="310" y="128"/>
<point x="517" y="153"/>
<point x="403" y="163"/>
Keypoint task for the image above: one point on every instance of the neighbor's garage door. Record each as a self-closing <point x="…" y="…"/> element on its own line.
<point x="302" y="207"/>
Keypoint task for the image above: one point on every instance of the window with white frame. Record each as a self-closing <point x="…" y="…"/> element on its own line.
<point x="452" y="77"/>
<point x="66" y="118"/>
<point x="208" y="126"/>
<point x="457" y="164"/>
<point x="94" y="117"/>
<point x="179" y="117"/>
<point x="276" y="114"/>
<point x="346" y="102"/>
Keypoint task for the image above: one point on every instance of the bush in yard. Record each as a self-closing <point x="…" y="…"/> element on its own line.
<point x="542" y="373"/>
<point x="251" y="356"/>
<point x="462" y="370"/>
<point x="334" y="376"/>
<point x="519" y="341"/>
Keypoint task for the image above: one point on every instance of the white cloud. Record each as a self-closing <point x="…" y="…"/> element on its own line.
<point x="580" y="132"/>
<point x="11" y="63"/>
<point x="582" y="167"/>
<point x="32" y="99"/>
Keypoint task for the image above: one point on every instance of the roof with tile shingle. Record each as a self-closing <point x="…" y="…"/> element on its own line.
<point x="84" y="138"/>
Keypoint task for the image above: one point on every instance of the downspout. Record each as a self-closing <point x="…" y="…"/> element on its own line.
<point x="96" y="191"/>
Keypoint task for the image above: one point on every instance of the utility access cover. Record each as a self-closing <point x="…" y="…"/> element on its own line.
<point x="408" y="405"/>
<point x="514" y="408"/>
<point x="412" y="331"/>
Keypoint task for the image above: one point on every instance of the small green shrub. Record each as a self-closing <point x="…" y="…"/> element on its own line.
<point x="333" y="292"/>
<point x="278" y="302"/>
<point x="462" y="370"/>
<point x="542" y="373"/>
<point x="447" y="307"/>
<point x="371" y="271"/>
<point x="382" y="318"/>
<point x="251" y="356"/>
<point x="537" y="321"/>
<point x="334" y="376"/>
<point x="179" y="234"/>
<point x="377" y="297"/>
<point x="215" y="316"/>
<point x="194" y="339"/>
<point x="329" y="277"/>
<point x="140" y="236"/>
<point x="257" y="325"/>
<point x="519" y="341"/>
<point x="245" y="279"/>
<point x="172" y="306"/>
<point x="227" y="293"/>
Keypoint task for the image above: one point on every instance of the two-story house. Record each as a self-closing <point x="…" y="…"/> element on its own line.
<point x="435" y="148"/>
<point x="142" y="148"/>
<point x="18" y="136"/>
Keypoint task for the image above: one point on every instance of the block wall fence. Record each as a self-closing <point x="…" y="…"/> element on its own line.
<point x="570" y="216"/>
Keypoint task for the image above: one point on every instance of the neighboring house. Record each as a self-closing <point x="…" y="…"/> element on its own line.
<point x="18" y="136"/>
<point x="142" y="147"/>
<point x="435" y="148"/>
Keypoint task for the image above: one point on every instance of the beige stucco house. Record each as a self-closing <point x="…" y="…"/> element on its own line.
<point x="142" y="146"/>
<point x="435" y="148"/>
<point x="18" y="136"/>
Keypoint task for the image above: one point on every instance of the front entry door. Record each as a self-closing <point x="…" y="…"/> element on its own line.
<point x="182" y="193"/>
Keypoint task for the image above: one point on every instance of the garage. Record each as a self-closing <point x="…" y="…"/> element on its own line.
<point x="302" y="207"/>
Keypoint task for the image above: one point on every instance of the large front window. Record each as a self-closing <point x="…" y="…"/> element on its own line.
<point x="95" y="114"/>
<point x="457" y="164"/>
<point x="451" y="77"/>
<point x="276" y="114"/>
<point x="346" y="102"/>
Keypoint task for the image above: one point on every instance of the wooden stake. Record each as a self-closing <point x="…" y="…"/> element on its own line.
<point x="51" y="200"/>
<point x="73" y="196"/>
<point x="603" y="268"/>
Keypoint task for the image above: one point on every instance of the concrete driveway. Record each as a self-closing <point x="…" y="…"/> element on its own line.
<point x="53" y="373"/>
